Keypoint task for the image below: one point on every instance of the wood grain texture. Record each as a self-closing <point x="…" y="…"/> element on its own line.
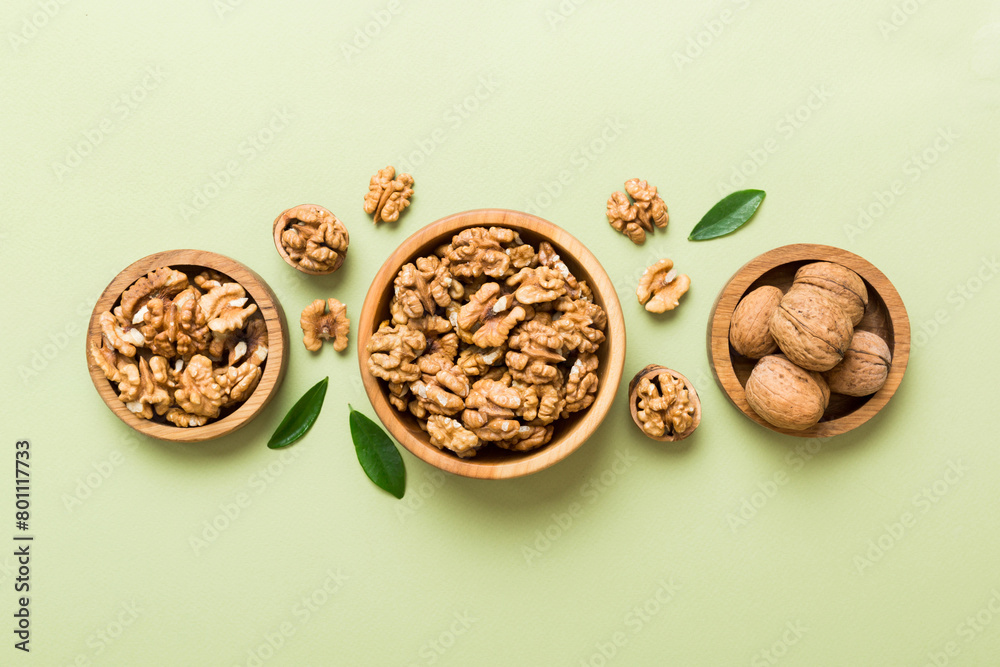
<point x="885" y="316"/>
<point x="277" y="335"/>
<point x="654" y="370"/>
<point x="495" y="463"/>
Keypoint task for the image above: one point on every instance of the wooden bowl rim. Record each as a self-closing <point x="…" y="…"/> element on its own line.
<point x="633" y="407"/>
<point x="267" y="304"/>
<point x="279" y="226"/>
<point x="568" y="441"/>
<point x="729" y="296"/>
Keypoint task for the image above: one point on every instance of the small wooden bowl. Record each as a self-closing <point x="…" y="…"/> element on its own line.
<point x="885" y="316"/>
<point x="654" y="370"/>
<point x="195" y="261"/>
<point x="279" y="226"/>
<point x="492" y="462"/>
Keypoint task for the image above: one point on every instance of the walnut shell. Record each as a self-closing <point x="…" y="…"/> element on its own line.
<point x="749" y="331"/>
<point x="864" y="368"/>
<point x="810" y="328"/>
<point x="844" y="286"/>
<point x="664" y="404"/>
<point x="785" y="395"/>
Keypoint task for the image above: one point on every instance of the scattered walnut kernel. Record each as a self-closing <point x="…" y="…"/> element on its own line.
<point x="388" y="195"/>
<point x="634" y="218"/>
<point x="311" y="238"/>
<point x="660" y="287"/>
<point x="173" y="344"/>
<point x="324" y="320"/>
<point x="664" y="404"/>
<point x="491" y="342"/>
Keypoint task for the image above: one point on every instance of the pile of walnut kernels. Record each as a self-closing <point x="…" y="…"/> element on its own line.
<point x="182" y="349"/>
<point x="491" y="341"/>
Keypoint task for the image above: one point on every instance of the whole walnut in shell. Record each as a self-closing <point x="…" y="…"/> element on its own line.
<point x="843" y="286"/>
<point x="749" y="331"/>
<point x="810" y="328"/>
<point x="785" y="395"/>
<point x="864" y="368"/>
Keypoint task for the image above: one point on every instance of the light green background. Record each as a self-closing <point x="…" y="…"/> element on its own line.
<point x="737" y="543"/>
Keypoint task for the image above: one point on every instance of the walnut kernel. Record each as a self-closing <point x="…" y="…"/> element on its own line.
<point x="324" y="320"/>
<point x="664" y="404"/>
<point x="173" y="343"/>
<point x="491" y="341"/>
<point x="635" y="218"/>
<point x="388" y="195"/>
<point x="660" y="287"/>
<point x="312" y="239"/>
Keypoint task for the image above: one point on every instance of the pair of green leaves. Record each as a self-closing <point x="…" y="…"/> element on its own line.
<point x="731" y="213"/>
<point x="377" y="455"/>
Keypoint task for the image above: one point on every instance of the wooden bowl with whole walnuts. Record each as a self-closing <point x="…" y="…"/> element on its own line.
<point x="491" y="344"/>
<point x="809" y="340"/>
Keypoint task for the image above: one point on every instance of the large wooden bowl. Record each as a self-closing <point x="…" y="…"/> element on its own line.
<point x="492" y="462"/>
<point x="193" y="262"/>
<point x="885" y="316"/>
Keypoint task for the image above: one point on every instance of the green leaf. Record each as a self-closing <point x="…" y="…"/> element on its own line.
<point x="728" y="215"/>
<point x="301" y="417"/>
<point x="377" y="455"/>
